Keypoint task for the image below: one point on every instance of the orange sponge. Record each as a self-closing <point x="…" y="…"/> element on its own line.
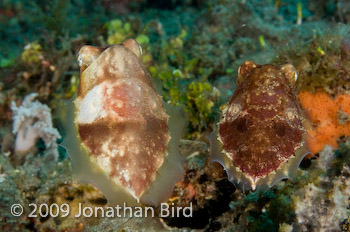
<point x="330" y="118"/>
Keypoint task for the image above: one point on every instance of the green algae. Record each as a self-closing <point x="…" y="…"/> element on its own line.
<point x="322" y="63"/>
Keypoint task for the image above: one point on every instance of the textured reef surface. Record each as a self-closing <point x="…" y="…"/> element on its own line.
<point x="211" y="105"/>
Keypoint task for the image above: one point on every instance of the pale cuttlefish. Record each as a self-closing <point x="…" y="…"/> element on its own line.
<point x="119" y="135"/>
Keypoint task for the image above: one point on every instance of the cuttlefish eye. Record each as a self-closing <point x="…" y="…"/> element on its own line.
<point x="87" y="55"/>
<point x="133" y="46"/>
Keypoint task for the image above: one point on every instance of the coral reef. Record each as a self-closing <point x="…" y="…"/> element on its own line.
<point x="323" y="204"/>
<point x="44" y="180"/>
<point x="261" y="127"/>
<point x="32" y="120"/>
<point x="322" y="63"/>
<point x="192" y="49"/>
<point x="32" y="53"/>
<point x="180" y="85"/>
<point x="205" y="187"/>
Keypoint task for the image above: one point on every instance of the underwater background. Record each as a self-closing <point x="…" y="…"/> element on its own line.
<point x="193" y="50"/>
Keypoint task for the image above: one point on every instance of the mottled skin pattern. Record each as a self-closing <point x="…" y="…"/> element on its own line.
<point x="120" y="117"/>
<point x="262" y="125"/>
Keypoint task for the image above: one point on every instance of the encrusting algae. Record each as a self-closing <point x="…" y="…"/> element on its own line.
<point x="330" y="118"/>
